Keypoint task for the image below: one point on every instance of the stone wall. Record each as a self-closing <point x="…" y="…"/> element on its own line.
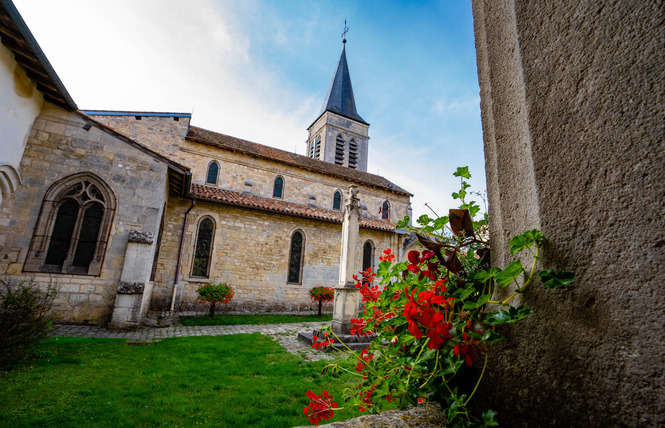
<point x="251" y="253"/>
<point x="237" y="171"/>
<point x="572" y="110"/>
<point x="59" y="146"/>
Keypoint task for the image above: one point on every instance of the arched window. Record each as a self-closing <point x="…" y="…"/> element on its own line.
<point x="385" y="210"/>
<point x="203" y="250"/>
<point x="73" y="227"/>
<point x="296" y="258"/>
<point x="368" y="255"/>
<point x="337" y="200"/>
<point x="340" y="147"/>
<point x="278" y="188"/>
<point x="213" y="172"/>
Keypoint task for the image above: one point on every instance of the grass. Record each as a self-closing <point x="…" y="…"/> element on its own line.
<point x="238" y="380"/>
<point x="224" y="319"/>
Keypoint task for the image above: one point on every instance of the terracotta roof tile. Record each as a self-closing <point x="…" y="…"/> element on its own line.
<point x="227" y="142"/>
<point x="229" y="197"/>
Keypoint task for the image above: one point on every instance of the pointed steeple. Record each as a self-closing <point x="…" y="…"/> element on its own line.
<point x="340" y="94"/>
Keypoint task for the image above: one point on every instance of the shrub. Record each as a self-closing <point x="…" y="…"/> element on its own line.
<point x="25" y="318"/>
<point x="322" y="294"/>
<point x="215" y="293"/>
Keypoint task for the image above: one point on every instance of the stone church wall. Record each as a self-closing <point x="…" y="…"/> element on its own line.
<point x="167" y="136"/>
<point x="251" y="253"/>
<point x="573" y="126"/>
<point x="57" y="147"/>
<point x="236" y="169"/>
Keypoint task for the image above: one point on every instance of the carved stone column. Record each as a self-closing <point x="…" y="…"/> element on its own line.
<point x="347" y="296"/>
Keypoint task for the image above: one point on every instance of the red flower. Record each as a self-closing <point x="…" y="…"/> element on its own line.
<point x="321" y="407"/>
<point x="417" y="260"/>
<point x="469" y="350"/>
<point x="388" y="256"/>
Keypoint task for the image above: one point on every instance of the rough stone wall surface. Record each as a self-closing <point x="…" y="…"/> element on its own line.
<point x="58" y="146"/>
<point x="161" y="134"/>
<point x="572" y="108"/>
<point x="251" y="253"/>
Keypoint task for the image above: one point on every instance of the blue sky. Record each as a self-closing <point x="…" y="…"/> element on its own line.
<point x="259" y="70"/>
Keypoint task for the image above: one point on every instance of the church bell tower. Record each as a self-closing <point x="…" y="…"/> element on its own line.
<point x="339" y="135"/>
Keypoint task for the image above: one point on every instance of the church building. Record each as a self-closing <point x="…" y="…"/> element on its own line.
<point x="130" y="211"/>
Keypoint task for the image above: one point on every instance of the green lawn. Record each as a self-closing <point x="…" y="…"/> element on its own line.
<point x="238" y="380"/>
<point x="224" y="319"/>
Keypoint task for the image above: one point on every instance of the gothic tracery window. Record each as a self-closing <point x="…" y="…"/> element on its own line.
<point x="203" y="249"/>
<point x="296" y="258"/>
<point x="73" y="227"/>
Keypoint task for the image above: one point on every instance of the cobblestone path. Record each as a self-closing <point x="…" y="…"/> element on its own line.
<point x="284" y="334"/>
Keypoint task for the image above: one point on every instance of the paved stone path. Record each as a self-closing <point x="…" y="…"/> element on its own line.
<point x="284" y="334"/>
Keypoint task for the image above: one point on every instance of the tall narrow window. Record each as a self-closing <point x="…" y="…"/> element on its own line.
<point x="73" y="227"/>
<point x="201" y="265"/>
<point x="368" y="256"/>
<point x="353" y="154"/>
<point x="337" y="200"/>
<point x="213" y="172"/>
<point x="385" y="210"/>
<point x="296" y="257"/>
<point x="339" y="150"/>
<point x="278" y="188"/>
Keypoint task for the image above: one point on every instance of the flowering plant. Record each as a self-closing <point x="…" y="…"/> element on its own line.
<point x="215" y="293"/>
<point x="434" y="316"/>
<point x="322" y="294"/>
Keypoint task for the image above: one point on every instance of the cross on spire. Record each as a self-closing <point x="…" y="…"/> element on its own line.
<point x="346" y="30"/>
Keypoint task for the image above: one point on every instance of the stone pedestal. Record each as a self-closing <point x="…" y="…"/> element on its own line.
<point x="135" y="288"/>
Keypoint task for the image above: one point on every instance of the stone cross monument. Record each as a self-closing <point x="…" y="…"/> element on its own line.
<point x="347" y="296"/>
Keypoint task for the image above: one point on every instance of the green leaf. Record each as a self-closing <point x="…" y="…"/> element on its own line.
<point x="489" y="420"/>
<point x="403" y="223"/>
<point x="462" y="171"/>
<point x="462" y="294"/>
<point x="553" y="279"/>
<point x="525" y="240"/>
<point x="470" y="305"/>
<point x="483" y="299"/>
<point x="440" y="222"/>
<point x="484" y="276"/>
<point x="514" y="313"/>
<point x="384" y="270"/>
<point x="424" y="220"/>
<point x="509" y="274"/>
<point x="492" y="336"/>
<point x="455" y="195"/>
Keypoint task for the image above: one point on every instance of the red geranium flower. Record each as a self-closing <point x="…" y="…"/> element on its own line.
<point x="321" y="407"/>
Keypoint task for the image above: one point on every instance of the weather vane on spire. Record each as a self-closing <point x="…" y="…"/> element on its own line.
<point x="346" y="30"/>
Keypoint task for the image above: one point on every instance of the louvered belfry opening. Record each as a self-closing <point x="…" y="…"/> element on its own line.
<point x="339" y="150"/>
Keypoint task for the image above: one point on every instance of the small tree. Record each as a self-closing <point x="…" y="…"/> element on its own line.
<point x="215" y="293"/>
<point x="25" y="318"/>
<point x="322" y="294"/>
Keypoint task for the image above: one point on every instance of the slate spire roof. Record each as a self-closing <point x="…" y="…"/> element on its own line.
<point x="340" y="94"/>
